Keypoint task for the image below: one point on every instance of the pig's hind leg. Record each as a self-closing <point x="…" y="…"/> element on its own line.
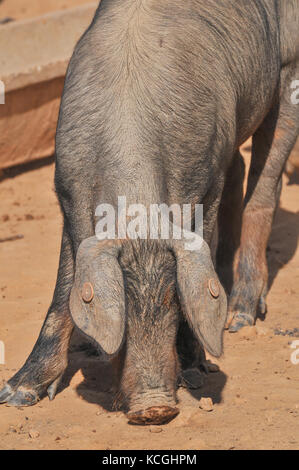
<point x="272" y="145"/>
<point x="230" y="221"/>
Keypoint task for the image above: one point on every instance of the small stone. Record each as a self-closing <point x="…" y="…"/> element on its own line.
<point x="33" y="434"/>
<point x="206" y="404"/>
<point x="155" y="430"/>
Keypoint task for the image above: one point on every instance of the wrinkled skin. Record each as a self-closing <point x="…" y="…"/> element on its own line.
<point x="158" y="98"/>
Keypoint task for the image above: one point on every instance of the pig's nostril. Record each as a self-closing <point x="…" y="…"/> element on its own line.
<point x="154" y="415"/>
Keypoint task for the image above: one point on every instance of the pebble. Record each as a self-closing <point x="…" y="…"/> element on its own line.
<point x="155" y="430"/>
<point x="206" y="404"/>
<point x="33" y="434"/>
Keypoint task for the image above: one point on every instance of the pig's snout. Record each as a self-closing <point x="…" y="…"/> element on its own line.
<point x="153" y="409"/>
<point x="153" y="415"/>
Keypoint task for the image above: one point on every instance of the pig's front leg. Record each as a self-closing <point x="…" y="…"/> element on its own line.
<point x="194" y="364"/>
<point x="48" y="360"/>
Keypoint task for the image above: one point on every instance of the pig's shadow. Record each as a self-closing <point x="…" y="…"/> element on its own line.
<point x="283" y="241"/>
<point x="213" y="386"/>
<point x="97" y="384"/>
<point x="282" y="244"/>
<point x="281" y="248"/>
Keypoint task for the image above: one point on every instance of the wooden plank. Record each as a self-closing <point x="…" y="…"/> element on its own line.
<point x="33" y="60"/>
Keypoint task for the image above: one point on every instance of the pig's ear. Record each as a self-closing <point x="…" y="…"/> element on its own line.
<point x="202" y="297"/>
<point x="97" y="301"/>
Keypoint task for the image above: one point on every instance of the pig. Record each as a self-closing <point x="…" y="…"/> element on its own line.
<point x="158" y="98"/>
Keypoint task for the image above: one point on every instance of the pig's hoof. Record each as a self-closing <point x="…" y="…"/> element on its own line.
<point x="5" y="20"/>
<point x="5" y="393"/>
<point x="229" y="320"/>
<point x="239" y="321"/>
<point x="209" y="367"/>
<point x="262" y="305"/>
<point x="23" y="397"/>
<point x="52" y="389"/>
<point x="155" y="415"/>
<point x="26" y="396"/>
<point x="20" y="397"/>
<point x="191" y="378"/>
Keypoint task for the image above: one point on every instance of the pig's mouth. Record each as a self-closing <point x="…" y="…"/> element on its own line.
<point x="155" y="415"/>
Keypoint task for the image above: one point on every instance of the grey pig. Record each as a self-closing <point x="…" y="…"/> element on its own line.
<point x="159" y="97"/>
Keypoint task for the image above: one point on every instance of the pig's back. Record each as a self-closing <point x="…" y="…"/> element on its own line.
<point x="153" y="85"/>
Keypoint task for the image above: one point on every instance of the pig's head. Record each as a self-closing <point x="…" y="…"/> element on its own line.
<point x="129" y="296"/>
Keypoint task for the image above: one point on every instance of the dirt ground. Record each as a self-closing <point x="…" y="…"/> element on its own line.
<point x="21" y="9"/>
<point x="255" y="395"/>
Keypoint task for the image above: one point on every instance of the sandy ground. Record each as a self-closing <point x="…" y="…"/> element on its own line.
<point x="21" y="9"/>
<point x="255" y="395"/>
